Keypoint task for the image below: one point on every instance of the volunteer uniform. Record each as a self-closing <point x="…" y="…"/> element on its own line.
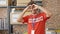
<point x="36" y="23"/>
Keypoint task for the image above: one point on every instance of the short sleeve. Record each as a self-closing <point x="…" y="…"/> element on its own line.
<point x="25" y="19"/>
<point x="45" y="17"/>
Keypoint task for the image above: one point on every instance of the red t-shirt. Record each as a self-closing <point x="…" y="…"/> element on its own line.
<point x="39" y="23"/>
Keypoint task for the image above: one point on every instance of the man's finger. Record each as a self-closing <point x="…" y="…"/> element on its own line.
<point x="29" y="7"/>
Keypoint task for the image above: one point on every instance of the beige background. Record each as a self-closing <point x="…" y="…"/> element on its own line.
<point x="54" y="7"/>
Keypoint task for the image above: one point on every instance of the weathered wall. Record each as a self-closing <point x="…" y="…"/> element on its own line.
<point x="54" y="7"/>
<point x="3" y="12"/>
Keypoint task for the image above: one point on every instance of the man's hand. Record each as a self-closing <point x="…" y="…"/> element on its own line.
<point x="48" y="14"/>
<point x="20" y="19"/>
<point x="34" y="6"/>
<point x="27" y="8"/>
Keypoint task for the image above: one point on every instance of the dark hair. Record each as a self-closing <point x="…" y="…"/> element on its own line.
<point x="38" y="10"/>
<point x="32" y="2"/>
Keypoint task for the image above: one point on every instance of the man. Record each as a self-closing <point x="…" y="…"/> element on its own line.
<point x="36" y="21"/>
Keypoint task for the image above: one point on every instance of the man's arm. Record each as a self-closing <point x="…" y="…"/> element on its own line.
<point x="20" y="19"/>
<point x="48" y="14"/>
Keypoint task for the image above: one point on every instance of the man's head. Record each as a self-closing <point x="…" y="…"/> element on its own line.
<point x="32" y="2"/>
<point x="35" y="9"/>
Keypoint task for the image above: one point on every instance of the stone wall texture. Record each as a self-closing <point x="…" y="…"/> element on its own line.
<point x="3" y="12"/>
<point x="54" y="7"/>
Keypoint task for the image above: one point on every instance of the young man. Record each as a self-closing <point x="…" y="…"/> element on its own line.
<point x="36" y="21"/>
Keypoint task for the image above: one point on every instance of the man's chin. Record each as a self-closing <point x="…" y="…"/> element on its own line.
<point x="34" y="13"/>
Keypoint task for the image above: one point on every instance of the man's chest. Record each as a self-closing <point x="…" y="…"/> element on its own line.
<point x="35" y="19"/>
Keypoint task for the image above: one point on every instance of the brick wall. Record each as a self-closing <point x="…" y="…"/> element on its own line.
<point x="21" y="29"/>
<point x="3" y="12"/>
<point x="22" y="2"/>
<point x="54" y="7"/>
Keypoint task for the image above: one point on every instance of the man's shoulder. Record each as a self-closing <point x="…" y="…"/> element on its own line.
<point x="27" y="15"/>
<point x="41" y="13"/>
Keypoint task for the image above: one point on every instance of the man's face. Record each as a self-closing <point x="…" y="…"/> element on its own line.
<point x="34" y="9"/>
